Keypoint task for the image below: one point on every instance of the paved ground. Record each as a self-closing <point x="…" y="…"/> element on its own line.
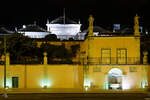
<point x="73" y="94"/>
<point x="67" y="90"/>
<point x="77" y="96"/>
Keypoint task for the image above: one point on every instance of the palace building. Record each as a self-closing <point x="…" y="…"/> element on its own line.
<point x="107" y="61"/>
<point x="33" y="31"/>
<point x="62" y="27"/>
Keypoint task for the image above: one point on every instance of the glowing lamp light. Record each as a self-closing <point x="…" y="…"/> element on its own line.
<point x="125" y="86"/>
<point x="115" y="86"/>
<point x="45" y="87"/>
<point x="144" y="84"/>
<point x="7" y="87"/>
<point x="46" y="84"/>
<point x="87" y="85"/>
<point x="86" y="88"/>
<point x="8" y="84"/>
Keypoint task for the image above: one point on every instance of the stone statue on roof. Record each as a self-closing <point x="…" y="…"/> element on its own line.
<point x="136" y="26"/>
<point x="91" y="20"/>
<point x="136" y="20"/>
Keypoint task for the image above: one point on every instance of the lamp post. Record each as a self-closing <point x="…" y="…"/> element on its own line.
<point x="5" y="62"/>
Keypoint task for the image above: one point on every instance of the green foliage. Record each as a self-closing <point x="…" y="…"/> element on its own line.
<point x="59" y="52"/>
<point x="54" y="51"/>
<point x="22" y="48"/>
<point x="51" y="37"/>
<point x="19" y="46"/>
<point x="74" y="49"/>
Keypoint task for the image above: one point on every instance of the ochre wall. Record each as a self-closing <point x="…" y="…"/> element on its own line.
<point x="132" y="44"/>
<point x="132" y="80"/>
<point x="34" y="76"/>
<point x="71" y="76"/>
<point x="92" y="46"/>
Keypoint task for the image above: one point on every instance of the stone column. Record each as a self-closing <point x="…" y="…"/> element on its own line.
<point x="91" y="21"/>
<point x="145" y="59"/>
<point x="136" y="26"/>
<point x="7" y="59"/>
<point x="106" y="81"/>
<point x="45" y="58"/>
<point x="45" y="78"/>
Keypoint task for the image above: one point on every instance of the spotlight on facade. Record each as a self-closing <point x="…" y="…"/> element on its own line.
<point x="45" y="87"/>
<point x="46" y="84"/>
<point x="125" y="86"/>
<point x="8" y="83"/>
<point x="7" y="87"/>
<point x="86" y="87"/>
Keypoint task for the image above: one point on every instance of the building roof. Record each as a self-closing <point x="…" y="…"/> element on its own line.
<point x="32" y="28"/>
<point x="63" y="20"/>
<point x="97" y="29"/>
<point x="124" y="30"/>
<point x="3" y="31"/>
<point x="127" y="30"/>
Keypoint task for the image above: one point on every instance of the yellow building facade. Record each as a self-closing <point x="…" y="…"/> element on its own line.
<point x="107" y="63"/>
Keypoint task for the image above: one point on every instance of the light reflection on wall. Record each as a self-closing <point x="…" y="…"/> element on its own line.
<point x="46" y="83"/>
<point x="144" y="83"/>
<point x="8" y="83"/>
<point x="87" y="84"/>
<point x="126" y="84"/>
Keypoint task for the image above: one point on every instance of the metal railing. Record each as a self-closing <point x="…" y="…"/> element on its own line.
<point x="99" y="60"/>
<point x="71" y="37"/>
<point x="114" y="60"/>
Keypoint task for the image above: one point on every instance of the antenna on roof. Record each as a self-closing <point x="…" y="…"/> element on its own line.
<point x="16" y="29"/>
<point x="47" y="21"/>
<point x="79" y="21"/>
<point x="64" y="16"/>
<point x="34" y="22"/>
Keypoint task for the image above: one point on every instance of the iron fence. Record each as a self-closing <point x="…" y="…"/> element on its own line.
<point x="114" y="60"/>
<point x="99" y="60"/>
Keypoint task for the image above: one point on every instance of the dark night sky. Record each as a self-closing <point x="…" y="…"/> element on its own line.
<point x="16" y="13"/>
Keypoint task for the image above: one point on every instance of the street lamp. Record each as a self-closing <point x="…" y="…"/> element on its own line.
<point x="5" y="62"/>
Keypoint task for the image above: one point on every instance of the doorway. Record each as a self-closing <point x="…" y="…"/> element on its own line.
<point x="115" y="79"/>
<point x="15" y="81"/>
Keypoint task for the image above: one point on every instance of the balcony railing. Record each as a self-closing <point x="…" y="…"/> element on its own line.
<point x="113" y="60"/>
<point x="99" y="60"/>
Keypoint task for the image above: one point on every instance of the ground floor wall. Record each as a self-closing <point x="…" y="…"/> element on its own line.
<point x="133" y="76"/>
<point x="38" y="76"/>
<point x="74" y="76"/>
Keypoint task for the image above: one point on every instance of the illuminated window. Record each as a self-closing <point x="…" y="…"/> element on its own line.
<point x="133" y="69"/>
<point x="105" y="55"/>
<point x="96" y="69"/>
<point x="121" y="56"/>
